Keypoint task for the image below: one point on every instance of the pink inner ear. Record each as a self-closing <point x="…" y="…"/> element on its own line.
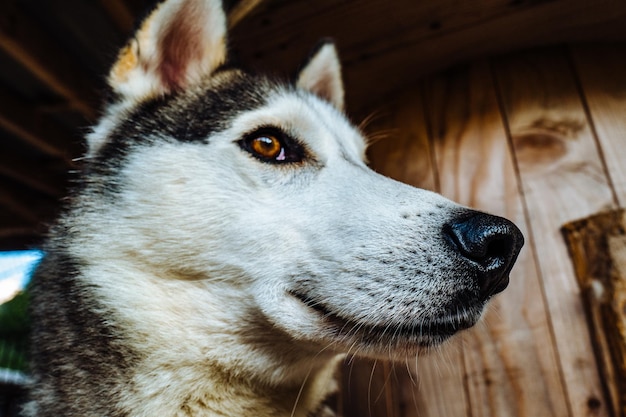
<point x="180" y="45"/>
<point x="323" y="87"/>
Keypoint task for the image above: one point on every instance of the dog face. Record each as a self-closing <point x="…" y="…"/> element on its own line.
<point x="259" y="190"/>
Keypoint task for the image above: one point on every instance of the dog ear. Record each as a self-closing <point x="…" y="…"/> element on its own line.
<point x="180" y="42"/>
<point x="321" y="75"/>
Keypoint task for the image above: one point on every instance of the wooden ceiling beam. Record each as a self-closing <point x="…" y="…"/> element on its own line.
<point x="241" y="10"/>
<point x="23" y="206"/>
<point x="34" y="128"/>
<point x="120" y="13"/>
<point x="43" y="178"/>
<point x="23" y="215"/>
<point x="25" y="41"/>
<point x="124" y="19"/>
<point x="384" y="48"/>
<point x="14" y="236"/>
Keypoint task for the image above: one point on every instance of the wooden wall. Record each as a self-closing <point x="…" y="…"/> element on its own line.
<point x="538" y="137"/>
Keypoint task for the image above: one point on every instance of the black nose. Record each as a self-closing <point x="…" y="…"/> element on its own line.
<point x="490" y="242"/>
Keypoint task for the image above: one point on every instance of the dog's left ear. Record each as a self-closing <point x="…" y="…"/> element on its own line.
<point x="322" y="75"/>
<point x="180" y="42"/>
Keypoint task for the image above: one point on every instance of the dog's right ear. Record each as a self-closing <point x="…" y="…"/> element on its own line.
<point x="180" y="42"/>
<point x="321" y="75"/>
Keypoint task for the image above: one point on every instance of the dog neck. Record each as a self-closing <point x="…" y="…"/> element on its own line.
<point x="220" y="393"/>
<point x="197" y="359"/>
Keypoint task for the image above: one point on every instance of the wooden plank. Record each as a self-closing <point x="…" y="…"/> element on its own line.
<point x="15" y="237"/>
<point x="510" y="362"/>
<point x="423" y="386"/>
<point x="401" y="154"/>
<point x="459" y="34"/>
<point x="25" y="41"/>
<point x="562" y="179"/>
<point x="123" y="16"/>
<point x="367" y="389"/>
<point x="598" y="249"/>
<point x="24" y="215"/>
<point x="120" y="14"/>
<point x="409" y="39"/>
<point x="16" y="233"/>
<point x="25" y="205"/>
<point x="401" y="148"/>
<point x="434" y="384"/>
<point x="45" y="177"/>
<point x="602" y="72"/>
<point x="363" y="32"/>
<point x="402" y="151"/>
<point x="240" y="10"/>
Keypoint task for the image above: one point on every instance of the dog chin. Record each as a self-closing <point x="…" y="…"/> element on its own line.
<point x="388" y="339"/>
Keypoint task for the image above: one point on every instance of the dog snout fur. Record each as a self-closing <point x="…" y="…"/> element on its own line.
<point x="491" y="243"/>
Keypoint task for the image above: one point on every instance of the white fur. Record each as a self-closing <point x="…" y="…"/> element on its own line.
<point x="204" y="252"/>
<point x="205" y="240"/>
<point x="322" y="76"/>
<point x="201" y="21"/>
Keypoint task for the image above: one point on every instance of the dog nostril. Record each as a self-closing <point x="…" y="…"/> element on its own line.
<point x="498" y="248"/>
<point x="491" y="242"/>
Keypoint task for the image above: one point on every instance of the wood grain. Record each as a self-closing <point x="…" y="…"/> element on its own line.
<point x="385" y="47"/>
<point x="563" y="178"/>
<point x="26" y="42"/>
<point x="240" y="10"/>
<point x="424" y="385"/>
<point x="509" y="360"/>
<point x="401" y="148"/>
<point x="34" y="128"/>
<point x="368" y="389"/>
<point x="598" y="248"/>
<point x="119" y="12"/>
<point x="602" y="72"/>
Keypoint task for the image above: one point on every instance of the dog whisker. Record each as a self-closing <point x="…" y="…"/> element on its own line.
<point x="369" y="388"/>
<point x="368" y="119"/>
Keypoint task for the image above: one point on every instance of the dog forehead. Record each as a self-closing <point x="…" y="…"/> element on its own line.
<point x="227" y="106"/>
<point x="318" y="124"/>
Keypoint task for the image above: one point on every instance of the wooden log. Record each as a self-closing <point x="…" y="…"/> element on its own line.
<point x="597" y="246"/>
<point x="563" y="178"/>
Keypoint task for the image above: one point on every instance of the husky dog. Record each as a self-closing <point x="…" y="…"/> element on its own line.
<point x="227" y="243"/>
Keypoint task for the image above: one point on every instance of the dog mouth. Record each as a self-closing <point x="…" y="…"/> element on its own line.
<point x="405" y="335"/>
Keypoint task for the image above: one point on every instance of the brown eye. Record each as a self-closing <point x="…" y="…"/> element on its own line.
<point x="268" y="147"/>
<point x="273" y="146"/>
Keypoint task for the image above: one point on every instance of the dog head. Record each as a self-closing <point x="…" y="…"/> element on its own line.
<point x="238" y="184"/>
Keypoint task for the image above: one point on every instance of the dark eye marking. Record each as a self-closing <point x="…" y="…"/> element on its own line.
<point x="272" y="145"/>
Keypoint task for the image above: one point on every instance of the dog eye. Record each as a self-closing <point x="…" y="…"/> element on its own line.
<point x="273" y="146"/>
<point x="268" y="147"/>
